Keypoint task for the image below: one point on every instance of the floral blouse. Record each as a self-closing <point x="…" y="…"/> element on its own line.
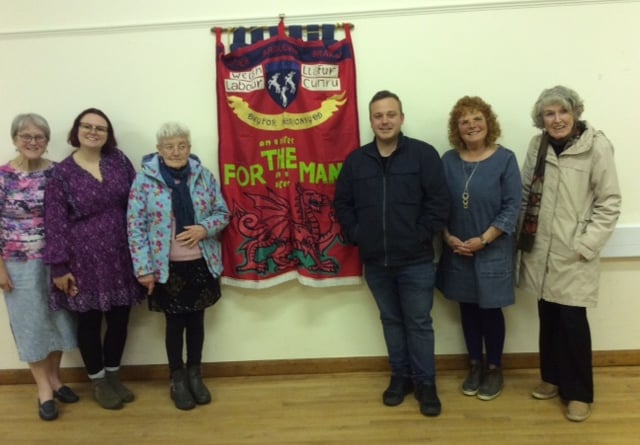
<point x="22" y="213"/>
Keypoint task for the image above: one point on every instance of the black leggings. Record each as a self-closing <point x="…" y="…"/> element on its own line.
<point x="177" y="324"/>
<point x="483" y="325"/>
<point x="96" y="352"/>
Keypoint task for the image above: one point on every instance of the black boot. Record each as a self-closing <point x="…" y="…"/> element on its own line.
<point x="398" y="388"/>
<point x="429" y="401"/>
<point x="180" y="393"/>
<point x="198" y="389"/>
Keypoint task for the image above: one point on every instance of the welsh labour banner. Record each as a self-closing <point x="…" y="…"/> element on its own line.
<point x="287" y="118"/>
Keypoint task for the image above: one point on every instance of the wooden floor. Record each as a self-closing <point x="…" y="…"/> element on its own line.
<point x="330" y="409"/>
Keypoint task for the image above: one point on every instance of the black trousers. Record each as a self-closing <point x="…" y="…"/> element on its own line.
<point x="177" y="324"/>
<point x="565" y="350"/>
<point x="96" y="352"/>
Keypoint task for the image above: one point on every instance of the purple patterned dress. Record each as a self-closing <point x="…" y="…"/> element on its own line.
<point x="86" y="234"/>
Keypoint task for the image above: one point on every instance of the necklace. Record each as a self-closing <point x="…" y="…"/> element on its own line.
<point x="465" y="192"/>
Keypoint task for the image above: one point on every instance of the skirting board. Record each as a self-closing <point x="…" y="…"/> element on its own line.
<point x="315" y="366"/>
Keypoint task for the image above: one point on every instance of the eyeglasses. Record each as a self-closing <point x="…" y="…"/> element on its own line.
<point x="180" y="147"/>
<point x="28" y="138"/>
<point x="96" y="128"/>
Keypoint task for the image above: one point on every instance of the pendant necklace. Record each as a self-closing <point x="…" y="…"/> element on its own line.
<point x="465" y="192"/>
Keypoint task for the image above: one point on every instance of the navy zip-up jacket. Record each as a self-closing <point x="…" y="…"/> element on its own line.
<point x="392" y="211"/>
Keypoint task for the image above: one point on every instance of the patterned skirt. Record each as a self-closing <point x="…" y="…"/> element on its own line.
<point x="190" y="287"/>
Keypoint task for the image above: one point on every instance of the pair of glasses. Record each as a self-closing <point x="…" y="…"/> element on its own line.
<point x="28" y="138"/>
<point x="96" y="128"/>
<point x="180" y="147"/>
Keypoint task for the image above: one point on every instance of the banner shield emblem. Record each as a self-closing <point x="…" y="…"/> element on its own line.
<point x="283" y="79"/>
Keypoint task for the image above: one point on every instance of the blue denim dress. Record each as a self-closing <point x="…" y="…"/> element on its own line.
<point x="495" y="191"/>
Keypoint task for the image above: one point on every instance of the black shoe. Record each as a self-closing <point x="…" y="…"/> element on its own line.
<point x="429" y="402"/>
<point x="48" y="410"/>
<point x="199" y="391"/>
<point x="66" y="395"/>
<point x="397" y="389"/>
<point x="180" y="393"/>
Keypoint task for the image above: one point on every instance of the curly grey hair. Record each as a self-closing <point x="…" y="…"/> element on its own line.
<point x="559" y="94"/>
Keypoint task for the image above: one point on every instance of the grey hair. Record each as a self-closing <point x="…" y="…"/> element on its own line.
<point x="22" y="120"/>
<point x="172" y="130"/>
<point x="561" y="95"/>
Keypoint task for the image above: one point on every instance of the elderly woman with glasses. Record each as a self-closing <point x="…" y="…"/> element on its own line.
<point x="571" y="203"/>
<point x="86" y="234"/>
<point x="41" y="336"/>
<point x="175" y="216"/>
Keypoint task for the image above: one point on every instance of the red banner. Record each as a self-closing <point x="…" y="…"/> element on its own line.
<point x="287" y="118"/>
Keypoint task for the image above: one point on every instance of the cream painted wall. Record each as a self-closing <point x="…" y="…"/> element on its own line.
<point x="151" y="62"/>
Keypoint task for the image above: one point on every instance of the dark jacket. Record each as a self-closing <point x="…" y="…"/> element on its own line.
<point x="392" y="213"/>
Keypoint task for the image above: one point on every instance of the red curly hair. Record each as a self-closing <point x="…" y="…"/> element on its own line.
<point x="470" y="104"/>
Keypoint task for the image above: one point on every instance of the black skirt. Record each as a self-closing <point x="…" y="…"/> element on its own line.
<point x="190" y="288"/>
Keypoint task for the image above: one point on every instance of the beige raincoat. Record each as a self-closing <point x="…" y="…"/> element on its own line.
<point x="578" y="213"/>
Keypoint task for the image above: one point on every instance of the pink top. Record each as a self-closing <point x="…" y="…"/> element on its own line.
<point x="180" y="252"/>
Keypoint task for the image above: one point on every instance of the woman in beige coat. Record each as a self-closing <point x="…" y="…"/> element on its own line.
<point x="571" y="202"/>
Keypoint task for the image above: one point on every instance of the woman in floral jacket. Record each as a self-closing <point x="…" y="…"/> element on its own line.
<point x="175" y="215"/>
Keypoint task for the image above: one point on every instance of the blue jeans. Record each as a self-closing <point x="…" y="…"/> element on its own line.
<point x="404" y="296"/>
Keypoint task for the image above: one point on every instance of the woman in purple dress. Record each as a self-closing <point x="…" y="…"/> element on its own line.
<point x="86" y="247"/>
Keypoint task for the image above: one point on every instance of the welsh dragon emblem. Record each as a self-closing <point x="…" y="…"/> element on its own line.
<point x="278" y="238"/>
